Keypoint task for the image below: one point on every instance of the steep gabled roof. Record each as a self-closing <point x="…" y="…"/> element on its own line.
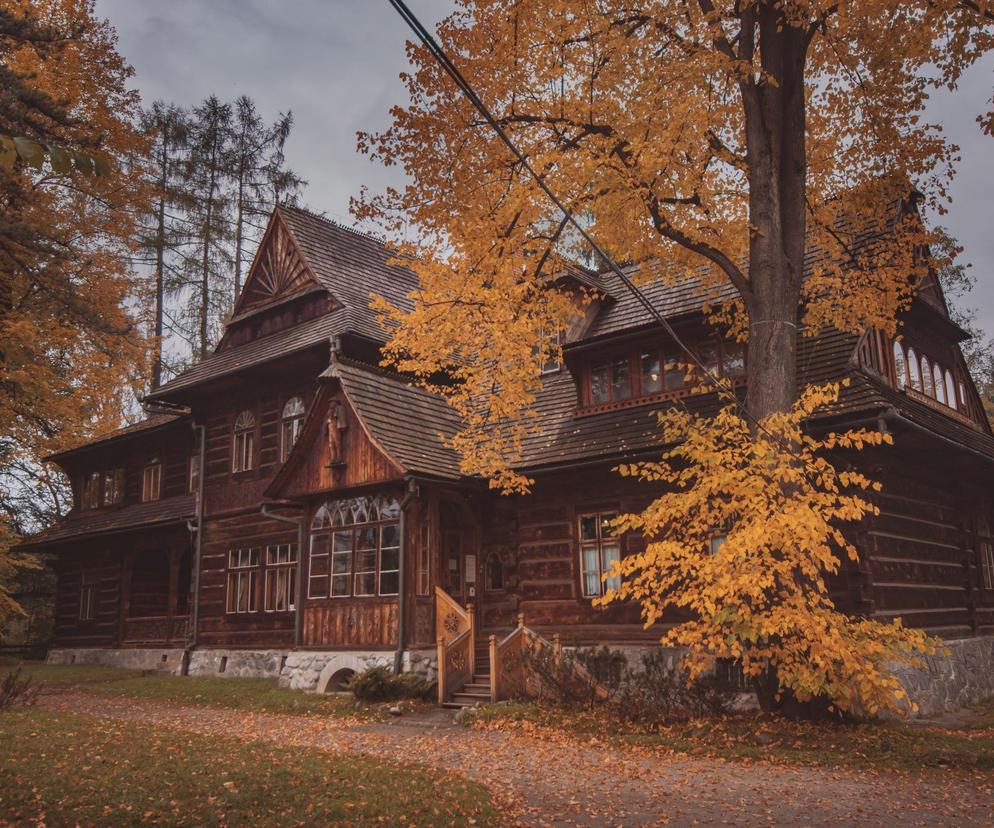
<point x="353" y="267"/>
<point x="411" y="425"/>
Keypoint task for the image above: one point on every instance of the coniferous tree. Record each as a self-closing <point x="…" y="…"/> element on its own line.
<point x="162" y="237"/>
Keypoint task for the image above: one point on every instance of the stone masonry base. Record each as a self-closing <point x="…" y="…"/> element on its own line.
<point x="963" y="675"/>
<point x="164" y="660"/>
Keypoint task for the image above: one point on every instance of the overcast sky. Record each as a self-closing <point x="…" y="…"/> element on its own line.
<point x="336" y="63"/>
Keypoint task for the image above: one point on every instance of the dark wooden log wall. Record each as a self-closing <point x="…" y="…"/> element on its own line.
<point x="103" y="630"/>
<point x="921" y="553"/>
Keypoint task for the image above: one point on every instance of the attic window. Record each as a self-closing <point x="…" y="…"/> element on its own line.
<point x="293" y="421"/>
<point x="152" y="479"/>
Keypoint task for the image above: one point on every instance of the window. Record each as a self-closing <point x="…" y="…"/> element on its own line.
<point x="650" y="372"/>
<point x="928" y="387"/>
<point x="940" y="385"/>
<point x="293" y="421"/>
<point x="243" y="451"/>
<point x="987" y="565"/>
<point x="88" y="595"/>
<point x="243" y="579"/>
<point x="281" y="570"/>
<point x="355" y="548"/>
<point x="950" y="389"/>
<point x="424" y="558"/>
<point x="900" y="368"/>
<point x="914" y="376"/>
<point x="91" y="490"/>
<point x="717" y="541"/>
<point x="151" y="480"/>
<point x="553" y="338"/>
<point x="195" y="473"/>
<point x="610" y="381"/>
<point x="732" y="359"/>
<point x="113" y="486"/>
<point x="598" y="550"/>
<point x="493" y="575"/>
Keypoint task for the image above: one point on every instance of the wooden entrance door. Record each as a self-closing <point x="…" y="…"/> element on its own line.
<point x="461" y="566"/>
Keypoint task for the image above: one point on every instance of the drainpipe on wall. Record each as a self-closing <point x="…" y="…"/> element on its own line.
<point x="411" y="493"/>
<point x="298" y="615"/>
<point x="198" y="527"/>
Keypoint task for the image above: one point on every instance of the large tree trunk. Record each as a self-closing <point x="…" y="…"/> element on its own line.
<point x="775" y="147"/>
<point x="160" y="244"/>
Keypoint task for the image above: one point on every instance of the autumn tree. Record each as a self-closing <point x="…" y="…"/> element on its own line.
<point x="68" y="344"/>
<point x="690" y="136"/>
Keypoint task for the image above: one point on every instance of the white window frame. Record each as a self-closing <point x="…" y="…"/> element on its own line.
<point x="279" y="581"/>
<point x="243" y="442"/>
<point x="600" y="546"/>
<point x="243" y="570"/>
<point x="152" y="481"/>
<point x="290" y="425"/>
<point x="89" y="583"/>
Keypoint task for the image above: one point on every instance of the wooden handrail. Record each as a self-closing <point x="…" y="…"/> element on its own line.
<point x="455" y="629"/>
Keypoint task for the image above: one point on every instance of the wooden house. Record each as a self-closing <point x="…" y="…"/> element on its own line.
<point x="293" y="509"/>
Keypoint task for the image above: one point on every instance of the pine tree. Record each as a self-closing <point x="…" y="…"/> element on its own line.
<point x="168" y="124"/>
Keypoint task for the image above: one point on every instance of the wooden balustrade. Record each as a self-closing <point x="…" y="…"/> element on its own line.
<point x="456" y="636"/>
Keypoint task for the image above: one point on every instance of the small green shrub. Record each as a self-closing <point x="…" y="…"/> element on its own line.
<point x="15" y="690"/>
<point x="379" y="684"/>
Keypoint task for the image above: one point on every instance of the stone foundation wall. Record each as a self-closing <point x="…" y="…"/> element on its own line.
<point x="320" y="671"/>
<point x="962" y="676"/>
<point x="238" y="663"/>
<point x="164" y="660"/>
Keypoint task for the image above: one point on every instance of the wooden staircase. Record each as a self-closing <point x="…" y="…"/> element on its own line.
<point x="479" y="689"/>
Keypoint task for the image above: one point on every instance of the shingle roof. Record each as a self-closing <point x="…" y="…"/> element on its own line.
<point x="410" y="424"/>
<point x="80" y="524"/>
<point x="352" y="266"/>
<point x="151" y="422"/>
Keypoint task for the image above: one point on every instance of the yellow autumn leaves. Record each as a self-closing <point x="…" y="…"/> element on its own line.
<point x="743" y="544"/>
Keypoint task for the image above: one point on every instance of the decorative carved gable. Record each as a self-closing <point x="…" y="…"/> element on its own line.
<point x="279" y="269"/>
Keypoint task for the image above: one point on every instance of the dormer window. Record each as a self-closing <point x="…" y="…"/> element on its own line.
<point x="113" y="486"/>
<point x="91" y="490"/>
<point x="243" y="442"/>
<point x="293" y="421"/>
<point x="648" y="371"/>
<point x="152" y="480"/>
<point x="554" y="340"/>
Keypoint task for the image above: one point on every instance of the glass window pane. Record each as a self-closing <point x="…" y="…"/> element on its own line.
<point x="733" y="360"/>
<point x="927" y="385"/>
<point x="389" y="582"/>
<point x="914" y="377"/>
<point x="365" y="583"/>
<point x="366" y="560"/>
<point x="390" y="535"/>
<point x="389" y="558"/>
<point x="600" y="378"/>
<point x="342" y="541"/>
<point x="339" y="584"/>
<point x="366" y="538"/>
<point x="588" y="527"/>
<point x="651" y="373"/>
<point x="940" y="385"/>
<point x="900" y="370"/>
<point x="673" y="375"/>
<point x="950" y="390"/>
<point x="607" y="530"/>
<point x="708" y="355"/>
<point x="621" y="381"/>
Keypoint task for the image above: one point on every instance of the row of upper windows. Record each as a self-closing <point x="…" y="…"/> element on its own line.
<point x="106" y="487"/>
<point x="922" y="373"/>
<point x="243" y="438"/>
<point x="649" y="370"/>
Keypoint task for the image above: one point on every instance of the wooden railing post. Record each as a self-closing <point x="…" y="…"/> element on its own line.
<point x="472" y="637"/>
<point x="493" y="669"/>
<point x="441" y="670"/>
<point x="557" y="647"/>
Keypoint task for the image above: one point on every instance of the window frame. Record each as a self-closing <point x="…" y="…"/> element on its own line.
<point x="670" y="364"/>
<point x="378" y="514"/>
<point x="488" y="581"/>
<point x="243" y="434"/>
<point x="423" y="587"/>
<point x="152" y="480"/>
<point x="235" y="573"/>
<point x="553" y="365"/>
<point x="597" y="544"/>
<point x="292" y="421"/>
<point x="282" y="574"/>
<point x="89" y="585"/>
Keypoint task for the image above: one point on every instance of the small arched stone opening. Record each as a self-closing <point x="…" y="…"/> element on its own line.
<point x="338" y="680"/>
<point x="339" y="668"/>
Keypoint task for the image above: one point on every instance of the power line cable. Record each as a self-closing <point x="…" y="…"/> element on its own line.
<point x="429" y="42"/>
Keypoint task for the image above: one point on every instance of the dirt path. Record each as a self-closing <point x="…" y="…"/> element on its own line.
<point x="591" y="785"/>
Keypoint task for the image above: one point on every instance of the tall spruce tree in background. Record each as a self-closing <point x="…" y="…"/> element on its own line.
<point x="168" y="125"/>
<point x="207" y="206"/>
<point x="218" y="171"/>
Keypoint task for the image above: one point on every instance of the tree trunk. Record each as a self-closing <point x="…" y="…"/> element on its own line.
<point x="208" y="232"/>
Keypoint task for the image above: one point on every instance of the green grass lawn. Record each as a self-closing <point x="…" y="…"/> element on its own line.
<point x="205" y="691"/>
<point x="895" y="746"/>
<point x="61" y="769"/>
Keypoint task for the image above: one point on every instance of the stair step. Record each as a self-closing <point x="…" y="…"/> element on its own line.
<point x="481" y="678"/>
<point x="477" y="687"/>
<point x="471" y="698"/>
